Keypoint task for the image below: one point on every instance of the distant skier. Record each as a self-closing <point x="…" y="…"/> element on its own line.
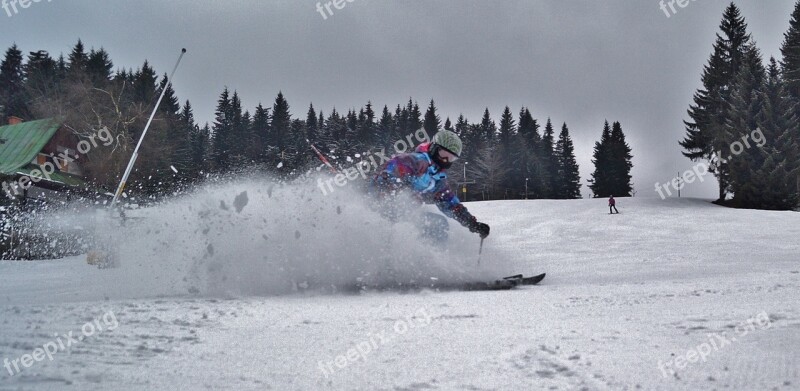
<point x="612" y="203"/>
<point x="422" y="172"/>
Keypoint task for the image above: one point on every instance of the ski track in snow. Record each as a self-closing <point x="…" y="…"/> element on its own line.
<point x="623" y="293"/>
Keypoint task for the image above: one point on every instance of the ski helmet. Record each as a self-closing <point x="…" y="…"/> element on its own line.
<point x="448" y="141"/>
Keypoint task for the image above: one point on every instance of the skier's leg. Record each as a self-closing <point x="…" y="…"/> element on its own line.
<point x="435" y="227"/>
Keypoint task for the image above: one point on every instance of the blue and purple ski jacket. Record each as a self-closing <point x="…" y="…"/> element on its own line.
<point x="417" y="172"/>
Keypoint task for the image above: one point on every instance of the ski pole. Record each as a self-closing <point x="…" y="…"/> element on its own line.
<point x="480" y="250"/>
<point x="322" y="157"/>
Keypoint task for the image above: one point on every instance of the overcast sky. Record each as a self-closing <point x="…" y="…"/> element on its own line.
<point x="576" y="61"/>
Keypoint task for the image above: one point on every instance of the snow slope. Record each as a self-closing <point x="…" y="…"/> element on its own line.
<point x="629" y="301"/>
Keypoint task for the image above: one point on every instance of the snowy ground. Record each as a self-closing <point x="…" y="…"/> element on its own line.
<point x="631" y="301"/>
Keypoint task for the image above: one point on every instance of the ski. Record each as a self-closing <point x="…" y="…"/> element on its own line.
<point x="519" y="279"/>
<point x="503" y="284"/>
<point x="506" y="283"/>
<point x="499" y="285"/>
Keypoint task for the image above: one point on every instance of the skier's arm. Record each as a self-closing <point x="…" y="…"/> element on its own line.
<point x="451" y="206"/>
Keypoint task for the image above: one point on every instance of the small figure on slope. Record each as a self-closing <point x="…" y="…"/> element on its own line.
<point x="422" y="172"/>
<point x="612" y="203"/>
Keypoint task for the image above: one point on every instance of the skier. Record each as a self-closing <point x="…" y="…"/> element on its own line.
<point x="612" y="203"/>
<point x="423" y="173"/>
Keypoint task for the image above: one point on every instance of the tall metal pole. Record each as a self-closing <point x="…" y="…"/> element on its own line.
<point x="465" y="181"/>
<point x="526" y="188"/>
<point x="128" y="170"/>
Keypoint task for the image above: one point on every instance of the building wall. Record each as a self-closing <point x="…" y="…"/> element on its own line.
<point x="63" y="141"/>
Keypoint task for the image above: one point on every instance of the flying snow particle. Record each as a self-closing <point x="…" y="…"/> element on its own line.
<point x="240" y="201"/>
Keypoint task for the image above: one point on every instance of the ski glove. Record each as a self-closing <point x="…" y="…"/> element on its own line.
<point x="480" y="229"/>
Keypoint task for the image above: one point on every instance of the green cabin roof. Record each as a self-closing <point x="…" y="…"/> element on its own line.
<point x="20" y="143"/>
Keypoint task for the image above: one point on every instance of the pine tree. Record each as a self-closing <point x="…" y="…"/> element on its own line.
<point x="98" y="67"/>
<point x="300" y="158"/>
<point x="201" y="144"/>
<point x="790" y="49"/>
<point x="61" y="68"/>
<point x="528" y="154"/>
<point x="144" y="85"/>
<point x="237" y="133"/>
<point x="184" y="131"/>
<point x="351" y="144"/>
<point x="42" y="84"/>
<point x="414" y="120"/>
<point x="333" y="136"/>
<point x="432" y="122"/>
<point x="569" y="180"/>
<point x="76" y="61"/>
<point x="778" y="178"/>
<point x="601" y="177"/>
<point x="488" y="127"/>
<point x="12" y="85"/>
<point x="461" y="127"/>
<point x="223" y="127"/>
<point x="311" y="124"/>
<point x="620" y="164"/>
<point x="549" y="161"/>
<point x="261" y="131"/>
<point x="367" y="133"/>
<point x="745" y="105"/>
<point x="506" y="148"/>
<point x="448" y="125"/>
<point x="508" y="128"/>
<point x="385" y="129"/>
<point x="280" y="130"/>
<point x="169" y="104"/>
<point x="245" y="134"/>
<point x="706" y="134"/>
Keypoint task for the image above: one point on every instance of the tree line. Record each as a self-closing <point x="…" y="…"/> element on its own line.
<point x="513" y="160"/>
<point x="742" y="96"/>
